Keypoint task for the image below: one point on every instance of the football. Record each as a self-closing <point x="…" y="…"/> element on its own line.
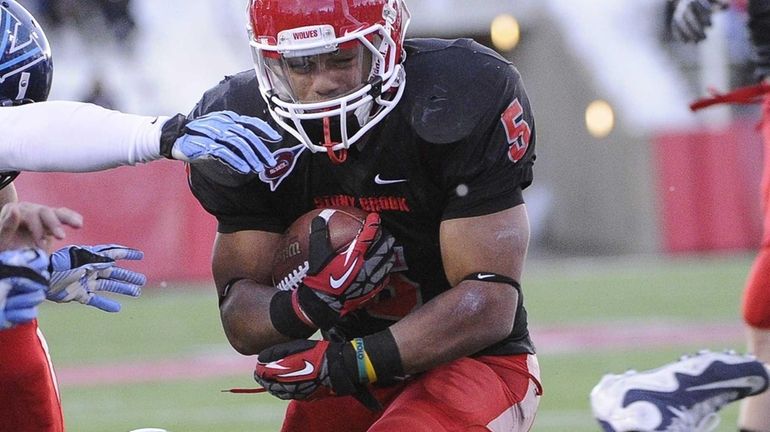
<point x="290" y="263"/>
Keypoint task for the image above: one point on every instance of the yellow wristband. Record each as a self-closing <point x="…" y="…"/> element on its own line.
<point x="366" y="373"/>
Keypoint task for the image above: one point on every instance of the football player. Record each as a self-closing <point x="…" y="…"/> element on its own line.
<point x="29" y="399"/>
<point x="686" y="395"/>
<point x="423" y="318"/>
<point x="756" y="299"/>
<point x="46" y="139"/>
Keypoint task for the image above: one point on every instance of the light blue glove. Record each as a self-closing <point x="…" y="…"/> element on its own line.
<point x="78" y="272"/>
<point x="235" y="140"/>
<point x="692" y="17"/>
<point x="23" y="283"/>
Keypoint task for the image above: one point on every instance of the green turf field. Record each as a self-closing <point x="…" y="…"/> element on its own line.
<point x="180" y="323"/>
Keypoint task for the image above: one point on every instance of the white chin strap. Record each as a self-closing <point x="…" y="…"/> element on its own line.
<point x="290" y="116"/>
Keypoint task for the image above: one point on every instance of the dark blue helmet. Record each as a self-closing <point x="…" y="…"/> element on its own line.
<point x="26" y="68"/>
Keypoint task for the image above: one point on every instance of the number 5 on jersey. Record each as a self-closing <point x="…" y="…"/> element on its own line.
<point x="517" y="130"/>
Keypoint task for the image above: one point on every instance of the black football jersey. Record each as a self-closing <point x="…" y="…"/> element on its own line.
<point x="460" y="143"/>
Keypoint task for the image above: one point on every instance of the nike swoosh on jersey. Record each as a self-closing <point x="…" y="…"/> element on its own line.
<point x="307" y="370"/>
<point x="755" y="383"/>
<point x="380" y="181"/>
<point x="336" y="283"/>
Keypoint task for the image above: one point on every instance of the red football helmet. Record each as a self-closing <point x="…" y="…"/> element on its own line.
<point x="335" y="62"/>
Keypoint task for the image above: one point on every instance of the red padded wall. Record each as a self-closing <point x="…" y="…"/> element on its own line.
<point x="708" y="188"/>
<point x="148" y="207"/>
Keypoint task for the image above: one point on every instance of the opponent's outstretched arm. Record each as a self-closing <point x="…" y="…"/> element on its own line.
<point x="81" y="137"/>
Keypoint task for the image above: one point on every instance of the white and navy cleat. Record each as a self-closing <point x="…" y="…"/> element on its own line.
<point x="683" y="396"/>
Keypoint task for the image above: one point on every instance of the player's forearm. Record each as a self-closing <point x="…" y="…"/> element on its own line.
<point x="245" y="313"/>
<point x="75" y="137"/>
<point x="459" y="322"/>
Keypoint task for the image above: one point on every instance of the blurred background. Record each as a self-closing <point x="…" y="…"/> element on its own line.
<point x="623" y="166"/>
<point x="645" y="215"/>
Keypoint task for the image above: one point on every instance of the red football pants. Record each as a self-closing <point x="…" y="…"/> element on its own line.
<point x="488" y="393"/>
<point x="29" y="399"/>
<point x="756" y="299"/>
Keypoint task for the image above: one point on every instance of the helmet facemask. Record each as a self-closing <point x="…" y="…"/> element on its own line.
<point x="315" y="80"/>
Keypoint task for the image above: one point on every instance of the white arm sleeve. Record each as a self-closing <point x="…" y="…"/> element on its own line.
<point x="75" y="137"/>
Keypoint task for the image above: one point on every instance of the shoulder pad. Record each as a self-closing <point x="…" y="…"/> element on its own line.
<point x="451" y="85"/>
<point x="239" y="93"/>
<point x="218" y="173"/>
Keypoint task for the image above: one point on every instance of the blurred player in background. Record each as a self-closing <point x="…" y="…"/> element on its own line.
<point x="422" y="315"/>
<point x="55" y="137"/>
<point x="756" y="301"/>
<point x="686" y="395"/>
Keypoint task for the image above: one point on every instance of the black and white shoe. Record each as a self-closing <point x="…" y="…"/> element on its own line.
<point x="683" y="396"/>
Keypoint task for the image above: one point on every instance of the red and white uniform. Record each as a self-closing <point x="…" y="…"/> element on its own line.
<point x="29" y="397"/>
<point x="756" y="300"/>
<point x="488" y="393"/>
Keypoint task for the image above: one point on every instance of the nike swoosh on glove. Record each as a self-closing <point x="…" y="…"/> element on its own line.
<point x="307" y="370"/>
<point x="338" y="283"/>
